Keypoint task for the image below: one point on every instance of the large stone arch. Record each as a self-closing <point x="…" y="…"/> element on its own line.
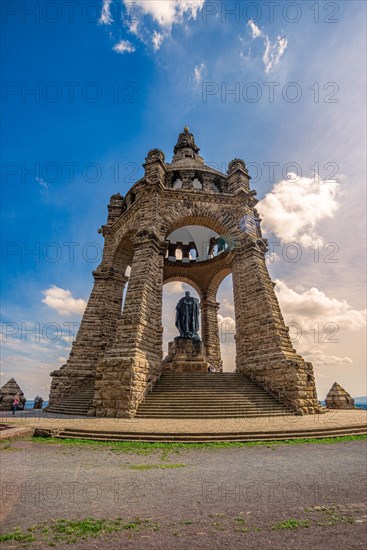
<point x="216" y="281"/>
<point x="184" y="279"/>
<point x="201" y="216"/>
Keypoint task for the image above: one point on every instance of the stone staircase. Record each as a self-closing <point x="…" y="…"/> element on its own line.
<point x="76" y="404"/>
<point x="209" y="395"/>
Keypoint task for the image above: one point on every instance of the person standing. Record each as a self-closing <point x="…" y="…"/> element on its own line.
<point x="15" y="403"/>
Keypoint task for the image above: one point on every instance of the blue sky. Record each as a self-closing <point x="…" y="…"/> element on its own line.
<point x="202" y="49"/>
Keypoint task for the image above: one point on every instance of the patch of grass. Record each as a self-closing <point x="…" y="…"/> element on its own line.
<point x="291" y="524"/>
<point x="69" y="531"/>
<point x="156" y="466"/>
<point x="18" y="536"/>
<point x="241" y="520"/>
<point x="334" y="519"/>
<point x="143" y="448"/>
<point x="331" y="517"/>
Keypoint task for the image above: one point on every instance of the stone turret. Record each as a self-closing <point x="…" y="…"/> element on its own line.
<point x="339" y="398"/>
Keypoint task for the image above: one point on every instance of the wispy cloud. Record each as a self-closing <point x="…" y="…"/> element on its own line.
<point x="106" y="17"/>
<point x="124" y="46"/>
<point x="199" y="71"/>
<point x="63" y="301"/>
<point x="274" y="51"/>
<point x="296" y="205"/>
<point x="42" y="182"/>
<point x="256" y="32"/>
<point x="157" y="40"/>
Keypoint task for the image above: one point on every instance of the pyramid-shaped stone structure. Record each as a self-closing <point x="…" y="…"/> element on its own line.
<point x="7" y="393"/>
<point x="339" y="398"/>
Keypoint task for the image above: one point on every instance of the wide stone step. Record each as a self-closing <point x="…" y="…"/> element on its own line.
<point x="219" y="437"/>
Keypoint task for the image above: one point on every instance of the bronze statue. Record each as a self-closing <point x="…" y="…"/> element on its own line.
<point x="187" y="317"/>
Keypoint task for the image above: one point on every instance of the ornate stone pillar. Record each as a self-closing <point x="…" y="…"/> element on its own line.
<point x="210" y="332"/>
<point x="136" y="354"/>
<point x="95" y="335"/>
<point x="264" y="349"/>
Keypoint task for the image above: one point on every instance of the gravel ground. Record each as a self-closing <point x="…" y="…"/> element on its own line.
<point x="216" y="498"/>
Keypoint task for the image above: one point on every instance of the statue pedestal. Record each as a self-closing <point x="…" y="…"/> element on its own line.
<point x="185" y="356"/>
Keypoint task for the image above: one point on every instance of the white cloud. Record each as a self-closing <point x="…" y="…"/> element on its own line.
<point x="175" y="287"/>
<point x="295" y="206"/>
<point x="256" y="32"/>
<point x="273" y="52"/>
<point x="157" y="40"/>
<point x="139" y="15"/>
<point x="318" y="324"/>
<point x="312" y="305"/>
<point x="199" y="71"/>
<point x="165" y="12"/>
<point x="106" y="17"/>
<point x="124" y="46"/>
<point x="63" y="301"/>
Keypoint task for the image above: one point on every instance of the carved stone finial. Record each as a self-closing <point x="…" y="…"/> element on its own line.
<point x="186" y="129"/>
<point x="116" y="197"/>
<point x="155" y="154"/>
<point x="233" y="163"/>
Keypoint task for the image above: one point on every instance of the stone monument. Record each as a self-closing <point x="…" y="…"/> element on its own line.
<point x="118" y="353"/>
<point x="339" y="398"/>
<point x="186" y="352"/>
<point x="187" y="317"/>
<point x="7" y="393"/>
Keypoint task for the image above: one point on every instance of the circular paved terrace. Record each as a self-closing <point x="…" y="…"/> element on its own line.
<point x="268" y="426"/>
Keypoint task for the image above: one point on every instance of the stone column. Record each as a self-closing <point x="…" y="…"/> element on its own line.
<point x="136" y="354"/>
<point x="264" y="349"/>
<point x="95" y="335"/>
<point x="210" y="332"/>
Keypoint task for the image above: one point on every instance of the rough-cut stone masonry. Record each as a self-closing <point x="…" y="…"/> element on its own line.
<point x="123" y="352"/>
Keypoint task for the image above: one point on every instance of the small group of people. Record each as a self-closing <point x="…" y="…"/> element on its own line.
<point x="17" y="404"/>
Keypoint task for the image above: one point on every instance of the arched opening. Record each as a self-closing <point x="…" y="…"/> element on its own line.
<point x="227" y="323"/>
<point x="195" y="243"/>
<point x="173" y="290"/>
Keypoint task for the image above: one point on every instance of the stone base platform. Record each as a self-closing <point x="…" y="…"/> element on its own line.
<point x="185" y="356"/>
<point x="330" y="424"/>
